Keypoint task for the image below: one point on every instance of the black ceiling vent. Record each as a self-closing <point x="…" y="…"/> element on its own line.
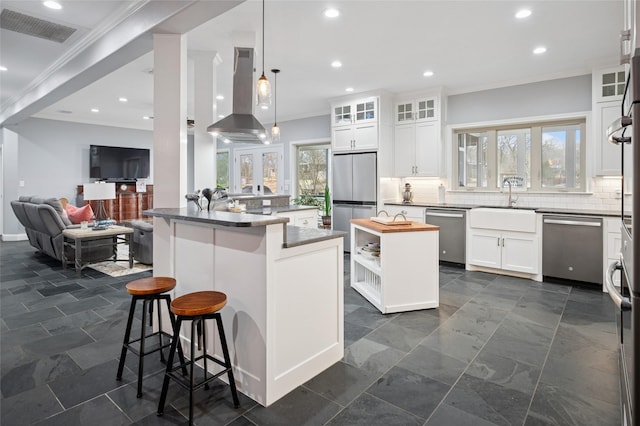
<point x="36" y="27"/>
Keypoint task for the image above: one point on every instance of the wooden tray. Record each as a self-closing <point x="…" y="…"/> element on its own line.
<point x="389" y="221"/>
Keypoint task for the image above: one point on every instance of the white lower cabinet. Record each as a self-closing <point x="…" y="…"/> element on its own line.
<point x="404" y="275"/>
<point x="612" y="246"/>
<point x="303" y="218"/>
<point x="509" y="251"/>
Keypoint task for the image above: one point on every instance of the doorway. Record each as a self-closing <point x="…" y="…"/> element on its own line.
<point x="258" y="170"/>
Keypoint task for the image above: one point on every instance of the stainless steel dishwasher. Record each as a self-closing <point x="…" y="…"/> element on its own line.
<point x="453" y="227"/>
<point x="572" y="248"/>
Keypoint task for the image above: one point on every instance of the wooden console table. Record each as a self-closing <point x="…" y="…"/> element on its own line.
<point x="128" y="203"/>
<point x="75" y="237"/>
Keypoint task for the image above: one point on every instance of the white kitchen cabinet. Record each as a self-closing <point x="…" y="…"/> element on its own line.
<point x="424" y="109"/>
<point x="417" y="149"/>
<point x="608" y="156"/>
<point x="509" y="251"/>
<point x="363" y="136"/>
<point x="612" y="244"/>
<point x="355" y="125"/>
<point x="413" y="213"/>
<point x="307" y="218"/>
<point x="405" y="275"/>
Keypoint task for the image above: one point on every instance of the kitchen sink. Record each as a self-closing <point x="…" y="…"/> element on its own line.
<point x="504" y="218"/>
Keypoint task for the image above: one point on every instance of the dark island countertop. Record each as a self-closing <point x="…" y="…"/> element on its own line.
<point x="293" y="235"/>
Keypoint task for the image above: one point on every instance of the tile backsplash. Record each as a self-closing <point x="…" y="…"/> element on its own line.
<point x="604" y="195"/>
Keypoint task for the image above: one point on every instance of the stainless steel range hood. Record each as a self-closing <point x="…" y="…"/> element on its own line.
<point x="241" y="125"/>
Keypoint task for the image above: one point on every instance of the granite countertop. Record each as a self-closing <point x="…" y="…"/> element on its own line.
<point x="216" y="217"/>
<point x="298" y="236"/>
<point x="546" y="210"/>
<point x="293" y="235"/>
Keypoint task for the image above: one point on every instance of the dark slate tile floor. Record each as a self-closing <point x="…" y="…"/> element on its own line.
<point x="498" y="351"/>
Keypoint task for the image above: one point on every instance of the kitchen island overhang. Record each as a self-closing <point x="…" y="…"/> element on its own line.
<point x="285" y="307"/>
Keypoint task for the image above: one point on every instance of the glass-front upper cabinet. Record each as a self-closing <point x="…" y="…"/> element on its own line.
<point x="416" y="110"/>
<point x="354" y="112"/>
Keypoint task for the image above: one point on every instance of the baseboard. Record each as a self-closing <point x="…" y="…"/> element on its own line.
<point x="14" y="237"/>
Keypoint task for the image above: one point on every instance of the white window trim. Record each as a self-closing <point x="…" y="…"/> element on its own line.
<point x="230" y="177"/>
<point x="263" y="148"/>
<point x="589" y="141"/>
<point x="293" y="162"/>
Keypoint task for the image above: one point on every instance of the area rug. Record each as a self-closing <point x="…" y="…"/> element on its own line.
<point x="121" y="267"/>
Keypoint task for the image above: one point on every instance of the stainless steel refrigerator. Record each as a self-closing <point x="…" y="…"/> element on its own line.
<point x="354" y="190"/>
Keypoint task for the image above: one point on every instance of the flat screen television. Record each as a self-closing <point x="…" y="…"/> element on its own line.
<point x="117" y="163"/>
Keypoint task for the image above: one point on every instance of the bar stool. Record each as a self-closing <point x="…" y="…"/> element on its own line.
<point x="198" y="307"/>
<point x="148" y="290"/>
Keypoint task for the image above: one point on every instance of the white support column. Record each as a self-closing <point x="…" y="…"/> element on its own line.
<point x="204" y="114"/>
<point x="169" y="138"/>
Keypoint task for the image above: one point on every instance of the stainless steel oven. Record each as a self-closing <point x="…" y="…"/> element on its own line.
<point x="627" y="297"/>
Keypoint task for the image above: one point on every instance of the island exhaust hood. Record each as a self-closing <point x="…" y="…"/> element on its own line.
<point x="241" y="125"/>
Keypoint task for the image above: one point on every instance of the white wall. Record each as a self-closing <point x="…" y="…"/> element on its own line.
<point x="560" y="96"/>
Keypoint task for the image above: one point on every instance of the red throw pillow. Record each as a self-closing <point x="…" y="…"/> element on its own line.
<point x="79" y="214"/>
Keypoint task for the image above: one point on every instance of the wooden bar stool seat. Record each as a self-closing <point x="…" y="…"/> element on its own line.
<point x="198" y="307"/>
<point x="148" y="290"/>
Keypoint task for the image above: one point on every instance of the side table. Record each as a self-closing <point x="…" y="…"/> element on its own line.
<point x="75" y="238"/>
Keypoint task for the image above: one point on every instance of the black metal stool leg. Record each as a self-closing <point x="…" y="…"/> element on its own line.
<point x="193" y="363"/>
<point x="227" y="360"/>
<point x="172" y="318"/>
<point x="145" y="301"/>
<point x="127" y="335"/>
<point x="172" y="351"/>
<point x="204" y="350"/>
<point x="162" y="360"/>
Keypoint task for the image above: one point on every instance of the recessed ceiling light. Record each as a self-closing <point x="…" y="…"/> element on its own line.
<point x="349" y="89"/>
<point x="52" y="5"/>
<point x="2" y="68"/>
<point x="220" y="97"/>
<point x="95" y="110"/>
<point x="336" y="64"/>
<point x="524" y="13"/>
<point x="332" y="13"/>
<point x="146" y="117"/>
<point x="221" y="116"/>
<point x="539" y="50"/>
<point x="265" y="107"/>
<point x="226" y="140"/>
<point x="428" y="73"/>
<point x="123" y="99"/>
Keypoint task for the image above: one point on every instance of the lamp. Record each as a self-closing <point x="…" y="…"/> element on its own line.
<point x="264" y="88"/>
<point x="99" y="191"/>
<point x="275" y="130"/>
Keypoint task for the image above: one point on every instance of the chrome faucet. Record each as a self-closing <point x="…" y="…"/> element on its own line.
<point x="512" y="202"/>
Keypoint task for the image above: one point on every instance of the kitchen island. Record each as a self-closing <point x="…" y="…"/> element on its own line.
<point x="395" y="267"/>
<point x="284" y="287"/>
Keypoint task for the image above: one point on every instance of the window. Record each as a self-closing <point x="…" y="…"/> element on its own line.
<point x="547" y="156"/>
<point x="222" y="169"/>
<point x="312" y="168"/>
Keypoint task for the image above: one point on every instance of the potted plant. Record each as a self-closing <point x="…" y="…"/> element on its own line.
<point x="326" y="211"/>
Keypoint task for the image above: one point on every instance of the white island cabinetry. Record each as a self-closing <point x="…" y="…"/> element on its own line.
<point x="404" y="277"/>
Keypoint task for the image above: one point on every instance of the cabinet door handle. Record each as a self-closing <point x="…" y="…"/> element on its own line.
<point x="498" y="241"/>
<point x="306" y="222"/>
<point x="503" y="242"/>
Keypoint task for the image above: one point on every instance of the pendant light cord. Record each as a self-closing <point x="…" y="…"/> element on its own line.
<point x="262" y="37"/>
<point x="275" y="98"/>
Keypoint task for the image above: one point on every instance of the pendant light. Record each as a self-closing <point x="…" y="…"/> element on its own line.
<point x="275" y="130"/>
<point x="264" y="88"/>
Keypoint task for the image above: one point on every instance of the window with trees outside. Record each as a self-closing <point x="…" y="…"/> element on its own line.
<point x="548" y="156"/>
<point x="312" y="168"/>
<point x="222" y="169"/>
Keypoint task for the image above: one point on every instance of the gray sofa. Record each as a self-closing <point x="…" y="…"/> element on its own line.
<point x="142" y="242"/>
<point x="44" y="223"/>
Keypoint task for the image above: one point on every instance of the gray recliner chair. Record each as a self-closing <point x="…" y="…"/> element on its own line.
<point x="142" y="243"/>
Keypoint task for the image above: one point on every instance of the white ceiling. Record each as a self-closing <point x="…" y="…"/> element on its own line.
<point x="470" y="45"/>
